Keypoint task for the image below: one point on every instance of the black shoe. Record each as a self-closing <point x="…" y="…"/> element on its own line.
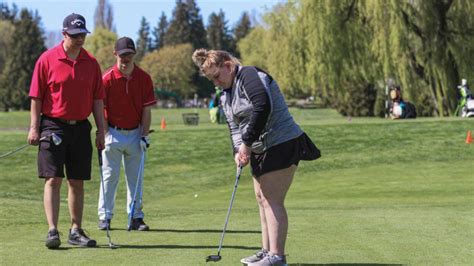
<point x="53" y="240"/>
<point x="139" y="224"/>
<point x="103" y="224"/>
<point x="78" y="237"/>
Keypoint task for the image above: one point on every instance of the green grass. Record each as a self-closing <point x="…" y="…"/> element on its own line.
<point x="384" y="192"/>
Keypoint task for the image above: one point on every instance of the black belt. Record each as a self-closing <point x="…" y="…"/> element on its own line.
<point x="64" y="121"/>
<point x="121" y="128"/>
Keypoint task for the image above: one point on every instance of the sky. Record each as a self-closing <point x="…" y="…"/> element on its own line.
<point x="128" y="13"/>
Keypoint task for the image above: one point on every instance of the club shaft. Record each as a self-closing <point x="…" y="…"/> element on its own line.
<point x="237" y="177"/>
<point x="99" y="154"/>
<point x="134" y="200"/>
<point x="20" y="148"/>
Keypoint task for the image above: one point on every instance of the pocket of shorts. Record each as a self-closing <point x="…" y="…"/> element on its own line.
<point x="47" y="144"/>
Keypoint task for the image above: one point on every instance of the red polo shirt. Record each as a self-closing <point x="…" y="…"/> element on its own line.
<point x="126" y="97"/>
<point x="66" y="87"/>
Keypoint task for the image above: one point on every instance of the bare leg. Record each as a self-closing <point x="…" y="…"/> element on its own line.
<point x="263" y="221"/>
<point x="76" y="202"/>
<point x="51" y="200"/>
<point x="274" y="186"/>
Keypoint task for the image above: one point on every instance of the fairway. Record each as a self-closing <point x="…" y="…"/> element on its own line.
<point x="383" y="192"/>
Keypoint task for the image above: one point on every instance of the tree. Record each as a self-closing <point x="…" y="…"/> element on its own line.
<point x="101" y="45"/>
<point x="218" y="35"/>
<point x="16" y="76"/>
<point x="179" y="30"/>
<point x="7" y="30"/>
<point x="159" y="32"/>
<point x="241" y="29"/>
<point x="104" y="16"/>
<point x="6" y="13"/>
<point x="143" y="42"/>
<point x="198" y="32"/>
<point x="424" y="47"/>
<point x="171" y="68"/>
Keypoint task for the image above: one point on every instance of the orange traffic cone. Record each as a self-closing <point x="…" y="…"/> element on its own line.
<point x="469" y="137"/>
<point x="163" y="123"/>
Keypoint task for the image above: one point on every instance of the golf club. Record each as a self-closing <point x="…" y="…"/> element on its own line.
<point x="111" y="245"/>
<point x="134" y="201"/>
<point x="55" y="138"/>
<point x="218" y="257"/>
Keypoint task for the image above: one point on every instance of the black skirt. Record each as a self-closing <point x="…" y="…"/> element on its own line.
<point x="284" y="155"/>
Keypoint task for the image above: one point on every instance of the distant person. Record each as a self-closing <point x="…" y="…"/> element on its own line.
<point x="264" y="134"/>
<point x="400" y="109"/>
<point x="66" y="87"/>
<point x="129" y="97"/>
<point x="215" y="106"/>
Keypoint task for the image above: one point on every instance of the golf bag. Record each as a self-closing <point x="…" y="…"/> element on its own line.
<point x="468" y="109"/>
<point x="466" y="102"/>
<point x="410" y="111"/>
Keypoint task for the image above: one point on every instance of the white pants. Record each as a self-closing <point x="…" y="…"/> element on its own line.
<point x="121" y="146"/>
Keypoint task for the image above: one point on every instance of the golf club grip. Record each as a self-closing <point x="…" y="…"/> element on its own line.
<point x="99" y="156"/>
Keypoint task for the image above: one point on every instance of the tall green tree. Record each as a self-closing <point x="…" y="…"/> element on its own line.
<point x="159" y="32"/>
<point x="241" y="29"/>
<point x="7" y="13"/>
<point x="101" y="45"/>
<point x="104" y="15"/>
<point x="424" y="45"/>
<point x="198" y="32"/>
<point x="143" y="42"/>
<point x="7" y="30"/>
<point x="179" y="30"/>
<point x="16" y="76"/>
<point x="218" y="34"/>
<point x="172" y="69"/>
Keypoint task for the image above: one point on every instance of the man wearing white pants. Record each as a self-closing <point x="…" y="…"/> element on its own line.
<point x="128" y="101"/>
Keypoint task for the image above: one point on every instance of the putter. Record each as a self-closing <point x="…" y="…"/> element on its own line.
<point x="55" y="138"/>
<point x="218" y="257"/>
<point x="134" y="201"/>
<point x="111" y="245"/>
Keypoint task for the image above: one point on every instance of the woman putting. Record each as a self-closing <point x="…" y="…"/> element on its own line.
<point x="263" y="133"/>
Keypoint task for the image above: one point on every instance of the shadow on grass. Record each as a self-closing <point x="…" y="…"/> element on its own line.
<point x="196" y="231"/>
<point x="180" y="247"/>
<point x="342" y="264"/>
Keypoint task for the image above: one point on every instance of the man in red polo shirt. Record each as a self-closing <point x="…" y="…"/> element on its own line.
<point x="129" y="97"/>
<point x="66" y="87"/>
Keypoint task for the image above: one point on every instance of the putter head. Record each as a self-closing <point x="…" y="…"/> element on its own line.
<point x="213" y="258"/>
<point x="112" y="245"/>
<point x="56" y="139"/>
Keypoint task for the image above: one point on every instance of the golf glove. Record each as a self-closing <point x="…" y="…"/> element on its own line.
<point x="144" y="143"/>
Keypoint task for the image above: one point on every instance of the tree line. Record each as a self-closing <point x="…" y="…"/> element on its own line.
<point x="164" y="50"/>
<point x="346" y="52"/>
<point x="343" y="53"/>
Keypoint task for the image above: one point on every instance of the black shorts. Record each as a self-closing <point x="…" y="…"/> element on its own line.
<point x="284" y="155"/>
<point x="74" y="151"/>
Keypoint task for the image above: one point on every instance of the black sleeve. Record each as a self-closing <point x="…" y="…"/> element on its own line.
<point x="260" y="100"/>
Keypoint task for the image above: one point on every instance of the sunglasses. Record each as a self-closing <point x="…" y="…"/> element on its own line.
<point x="76" y="36"/>
<point x="126" y="54"/>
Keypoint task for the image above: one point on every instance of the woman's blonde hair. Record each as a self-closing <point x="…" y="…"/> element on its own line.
<point x="204" y="59"/>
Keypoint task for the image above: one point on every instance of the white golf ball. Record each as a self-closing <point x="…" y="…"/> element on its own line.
<point x="195" y="195"/>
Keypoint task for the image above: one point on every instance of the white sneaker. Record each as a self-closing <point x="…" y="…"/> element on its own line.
<point x="270" y="260"/>
<point x="255" y="257"/>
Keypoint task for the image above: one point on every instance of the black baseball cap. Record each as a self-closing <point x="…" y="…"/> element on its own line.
<point x="74" y="24"/>
<point x="124" y="45"/>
